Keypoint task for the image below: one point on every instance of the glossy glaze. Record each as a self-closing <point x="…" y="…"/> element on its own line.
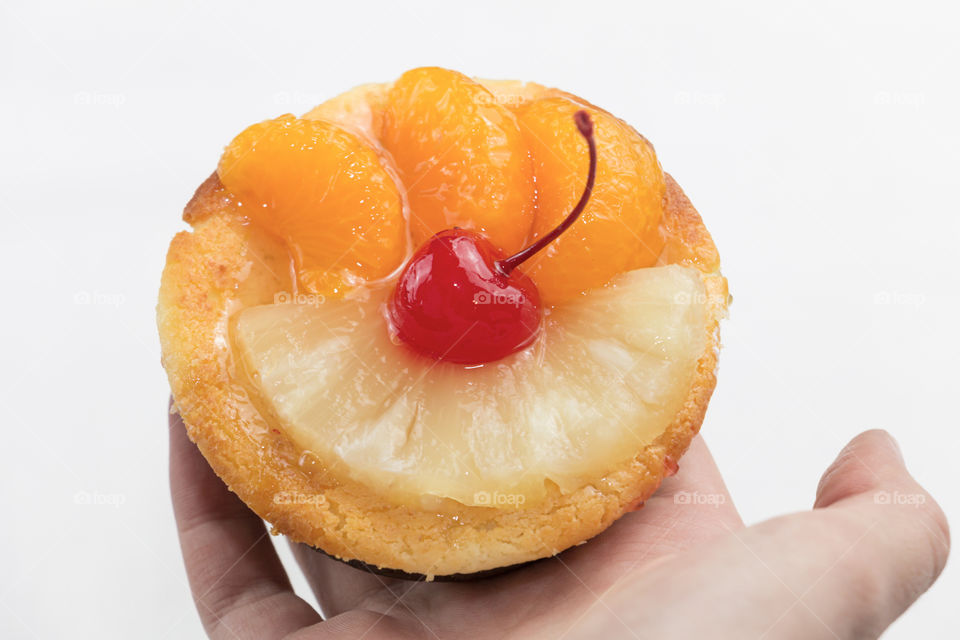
<point x="453" y="303"/>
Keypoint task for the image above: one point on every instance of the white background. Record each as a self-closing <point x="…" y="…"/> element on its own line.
<point x="820" y="144"/>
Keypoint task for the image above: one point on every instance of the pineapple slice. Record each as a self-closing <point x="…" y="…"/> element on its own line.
<point x="606" y="377"/>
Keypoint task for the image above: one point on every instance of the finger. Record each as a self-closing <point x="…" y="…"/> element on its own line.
<point x="238" y="583"/>
<point x="846" y="569"/>
<point x="339" y="587"/>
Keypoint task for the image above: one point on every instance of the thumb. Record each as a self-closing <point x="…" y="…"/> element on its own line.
<point x="870" y="463"/>
<point x="880" y="537"/>
<point x="909" y="540"/>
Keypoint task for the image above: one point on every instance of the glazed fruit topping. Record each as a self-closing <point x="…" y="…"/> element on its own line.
<point x="459" y="299"/>
<point x="353" y="186"/>
<point x="483" y="181"/>
<point x="326" y="192"/>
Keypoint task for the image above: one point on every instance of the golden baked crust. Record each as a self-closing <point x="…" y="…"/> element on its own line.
<point x="222" y="266"/>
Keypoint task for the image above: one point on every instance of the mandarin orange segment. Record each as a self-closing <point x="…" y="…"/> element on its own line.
<point x="461" y="156"/>
<point x="618" y="230"/>
<point x="326" y="193"/>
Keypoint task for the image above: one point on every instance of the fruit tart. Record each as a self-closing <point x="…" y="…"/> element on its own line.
<point x="442" y="326"/>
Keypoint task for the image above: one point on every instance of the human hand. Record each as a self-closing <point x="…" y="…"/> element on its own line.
<point x="684" y="566"/>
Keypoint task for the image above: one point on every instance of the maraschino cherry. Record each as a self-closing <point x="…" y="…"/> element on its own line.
<point x="459" y="300"/>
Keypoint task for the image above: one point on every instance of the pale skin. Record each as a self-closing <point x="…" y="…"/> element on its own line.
<point x="684" y="566"/>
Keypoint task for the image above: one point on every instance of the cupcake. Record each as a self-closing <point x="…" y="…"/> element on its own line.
<point x="442" y="326"/>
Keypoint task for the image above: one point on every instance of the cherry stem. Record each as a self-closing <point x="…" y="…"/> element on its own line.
<point x="585" y="127"/>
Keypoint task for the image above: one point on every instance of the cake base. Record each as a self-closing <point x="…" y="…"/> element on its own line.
<point x="398" y="574"/>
